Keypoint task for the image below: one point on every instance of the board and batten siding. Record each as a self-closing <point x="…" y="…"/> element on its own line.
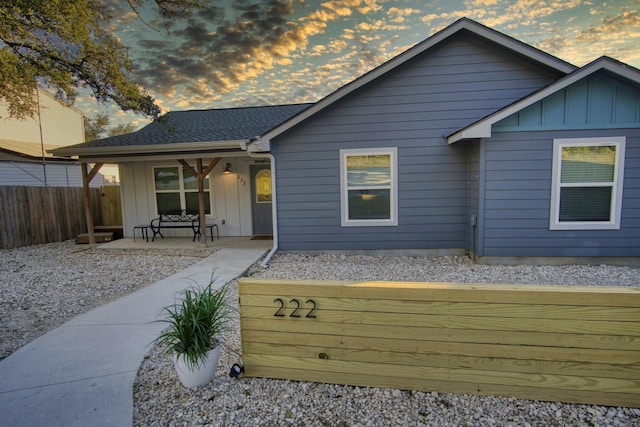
<point x="517" y="196"/>
<point x="595" y="102"/>
<point x="411" y="108"/>
<point x="231" y="196"/>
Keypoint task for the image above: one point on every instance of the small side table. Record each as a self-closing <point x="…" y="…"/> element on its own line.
<point x="144" y="232"/>
<point x="211" y="227"/>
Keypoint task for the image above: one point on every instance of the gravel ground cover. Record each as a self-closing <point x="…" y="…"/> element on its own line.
<point x="43" y="286"/>
<point x="159" y="398"/>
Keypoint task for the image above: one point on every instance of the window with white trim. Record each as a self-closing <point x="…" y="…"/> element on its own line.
<point x="587" y="183"/>
<point x="176" y="189"/>
<point x="369" y="187"/>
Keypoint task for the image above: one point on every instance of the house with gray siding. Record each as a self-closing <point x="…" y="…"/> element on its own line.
<point x="28" y="164"/>
<point x="24" y="160"/>
<point x="470" y="142"/>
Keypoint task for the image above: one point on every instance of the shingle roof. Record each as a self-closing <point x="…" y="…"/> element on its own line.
<point x="228" y="124"/>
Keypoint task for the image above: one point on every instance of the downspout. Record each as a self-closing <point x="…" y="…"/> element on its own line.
<point x="274" y="208"/>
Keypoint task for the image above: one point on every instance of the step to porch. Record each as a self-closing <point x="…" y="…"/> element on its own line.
<point x="101" y="237"/>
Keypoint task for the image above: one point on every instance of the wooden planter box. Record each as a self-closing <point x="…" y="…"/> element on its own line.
<point x="556" y="343"/>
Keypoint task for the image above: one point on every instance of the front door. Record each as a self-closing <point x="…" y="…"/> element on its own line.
<point x="261" y="203"/>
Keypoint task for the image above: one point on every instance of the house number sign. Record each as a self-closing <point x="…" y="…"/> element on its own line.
<point x="307" y="309"/>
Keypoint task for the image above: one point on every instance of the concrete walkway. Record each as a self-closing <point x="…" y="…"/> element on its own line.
<point x="82" y="373"/>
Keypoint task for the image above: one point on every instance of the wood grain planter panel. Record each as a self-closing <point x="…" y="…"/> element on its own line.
<point x="569" y="344"/>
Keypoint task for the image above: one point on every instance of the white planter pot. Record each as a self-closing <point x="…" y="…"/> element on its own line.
<point x="198" y="376"/>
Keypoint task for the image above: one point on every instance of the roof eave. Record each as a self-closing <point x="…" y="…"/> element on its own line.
<point x="31" y="158"/>
<point x="258" y="145"/>
<point x="149" y="149"/>
<point x="481" y="131"/>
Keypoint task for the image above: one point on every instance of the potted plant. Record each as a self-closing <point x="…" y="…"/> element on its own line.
<point x="191" y="338"/>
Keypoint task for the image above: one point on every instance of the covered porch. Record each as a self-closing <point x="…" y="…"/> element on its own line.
<point x="187" y="243"/>
<point x="193" y="161"/>
<point x="233" y="192"/>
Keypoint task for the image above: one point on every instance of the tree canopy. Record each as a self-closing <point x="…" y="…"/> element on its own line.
<point x="65" y="45"/>
<point x="100" y="127"/>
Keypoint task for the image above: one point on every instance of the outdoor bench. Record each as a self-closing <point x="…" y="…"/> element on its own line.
<point x="180" y="219"/>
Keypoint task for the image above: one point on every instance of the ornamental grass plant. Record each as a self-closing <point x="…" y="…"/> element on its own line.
<point x="194" y="322"/>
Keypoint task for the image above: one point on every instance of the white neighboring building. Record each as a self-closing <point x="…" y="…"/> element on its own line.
<point x="24" y="160"/>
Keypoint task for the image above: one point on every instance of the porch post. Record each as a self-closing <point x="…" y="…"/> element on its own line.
<point x="86" y="179"/>
<point x="200" y="175"/>
<point x="200" y="178"/>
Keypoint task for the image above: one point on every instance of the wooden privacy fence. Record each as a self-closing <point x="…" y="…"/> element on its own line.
<point x="569" y="344"/>
<point x="35" y="215"/>
<point x="111" y="205"/>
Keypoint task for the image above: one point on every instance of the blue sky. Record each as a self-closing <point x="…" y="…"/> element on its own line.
<point x="256" y="52"/>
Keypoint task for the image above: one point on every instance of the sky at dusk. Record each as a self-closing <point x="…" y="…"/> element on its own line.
<point x="262" y="52"/>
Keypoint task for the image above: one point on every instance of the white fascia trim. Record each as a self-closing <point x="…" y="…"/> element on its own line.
<point x="258" y="145"/>
<point x="149" y="149"/>
<point x="168" y="157"/>
<point x="462" y="24"/>
<point x="482" y="128"/>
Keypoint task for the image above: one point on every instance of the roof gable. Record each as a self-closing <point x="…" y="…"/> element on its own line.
<point x="482" y="128"/>
<point x="462" y="25"/>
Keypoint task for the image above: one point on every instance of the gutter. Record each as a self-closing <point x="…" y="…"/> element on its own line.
<point x="147" y="149"/>
<point x="274" y="206"/>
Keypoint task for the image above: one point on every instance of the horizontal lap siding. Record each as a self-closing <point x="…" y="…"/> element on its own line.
<point x="410" y="108"/>
<point x="572" y="344"/>
<point x="17" y="173"/>
<point x="517" y="199"/>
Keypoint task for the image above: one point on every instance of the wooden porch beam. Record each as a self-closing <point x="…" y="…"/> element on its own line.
<point x="87" y="176"/>
<point x="200" y="173"/>
<point x="206" y="172"/>
<point x="94" y="171"/>
<point x="212" y="164"/>
<point x="188" y="167"/>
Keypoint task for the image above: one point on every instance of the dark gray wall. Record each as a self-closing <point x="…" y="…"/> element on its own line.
<point x="517" y="197"/>
<point x="412" y="108"/>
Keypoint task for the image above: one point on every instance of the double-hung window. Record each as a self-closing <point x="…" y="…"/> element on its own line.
<point x="369" y="187"/>
<point x="176" y="189"/>
<point x="587" y="183"/>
